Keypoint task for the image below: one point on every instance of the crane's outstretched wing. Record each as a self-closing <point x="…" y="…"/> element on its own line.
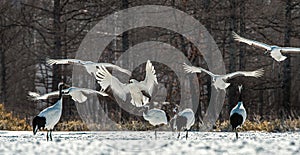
<point x="256" y="73"/>
<point x="79" y="94"/>
<point x="81" y="62"/>
<point x="190" y="115"/>
<point x="193" y="69"/>
<point x="109" y="65"/>
<point x="91" y="91"/>
<point x="150" y="78"/>
<point x="155" y="116"/>
<point x="105" y="80"/>
<point x="63" y="61"/>
<point x="290" y="50"/>
<point x="250" y="42"/>
<point x="36" y="96"/>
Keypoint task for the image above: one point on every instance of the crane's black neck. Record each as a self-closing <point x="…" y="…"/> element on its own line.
<point x="240" y="96"/>
<point x="60" y="88"/>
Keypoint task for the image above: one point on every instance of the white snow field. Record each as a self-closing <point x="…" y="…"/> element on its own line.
<point x="143" y="142"/>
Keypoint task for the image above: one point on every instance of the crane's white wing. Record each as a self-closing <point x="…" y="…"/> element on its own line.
<point x="250" y="42"/>
<point x="150" y="78"/>
<point x="63" y="61"/>
<point x="193" y="69"/>
<point x="37" y="96"/>
<point x="91" y="91"/>
<point x="79" y="94"/>
<point x="105" y="80"/>
<point x="49" y="112"/>
<point x="155" y="117"/>
<point x="52" y="114"/>
<point x="190" y="115"/>
<point x="256" y="73"/>
<point x="290" y="50"/>
<point x="137" y="97"/>
<point x="109" y="65"/>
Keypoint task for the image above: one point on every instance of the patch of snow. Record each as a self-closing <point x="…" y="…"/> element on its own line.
<point x="143" y="142"/>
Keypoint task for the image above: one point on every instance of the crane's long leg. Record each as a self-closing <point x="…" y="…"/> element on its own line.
<point x="236" y="134"/>
<point x="178" y="135"/>
<point x="51" y="135"/>
<point x="186" y="136"/>
<point x="47" y="136"/>
<point x="155" y="134"/>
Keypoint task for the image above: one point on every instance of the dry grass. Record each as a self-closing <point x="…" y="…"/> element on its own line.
<point x="276" y="125"/>
<point x="71" y="126"/>
<point x="9" y="122"/>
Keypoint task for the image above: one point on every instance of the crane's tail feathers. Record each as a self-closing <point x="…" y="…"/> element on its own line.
<point x="282" y="58"/>
<point x="79" y="97"/>
<point x="227" y="85"/>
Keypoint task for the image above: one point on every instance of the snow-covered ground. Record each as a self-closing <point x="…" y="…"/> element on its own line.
<point x="129" y="142"/>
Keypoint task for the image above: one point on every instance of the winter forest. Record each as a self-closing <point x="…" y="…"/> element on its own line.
<point x="33" y="31"/>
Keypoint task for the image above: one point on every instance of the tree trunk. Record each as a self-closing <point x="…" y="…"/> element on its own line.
<point x="286" y="104"/>
<point x="232" y="52"/>
<point x="3" y="76"/>
<point x="57" y="43"/>
<point x="242" y="31"/>
<point x="3" y="67"/>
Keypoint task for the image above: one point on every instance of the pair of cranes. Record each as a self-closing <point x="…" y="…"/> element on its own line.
<point x="141" y="91"/>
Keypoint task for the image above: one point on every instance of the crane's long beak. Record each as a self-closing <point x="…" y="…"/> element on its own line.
<point x="35" y="130"/>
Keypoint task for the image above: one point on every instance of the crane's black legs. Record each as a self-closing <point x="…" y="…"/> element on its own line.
<point x="51" y="135"/>
<point x="236" y="133"/>
<point x="186" y="136"/>
<point x="47" y="136"/>
<point x="155" y="134"/>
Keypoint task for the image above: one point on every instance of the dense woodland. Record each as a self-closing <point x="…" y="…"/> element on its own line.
<point x="31" y="31"/>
